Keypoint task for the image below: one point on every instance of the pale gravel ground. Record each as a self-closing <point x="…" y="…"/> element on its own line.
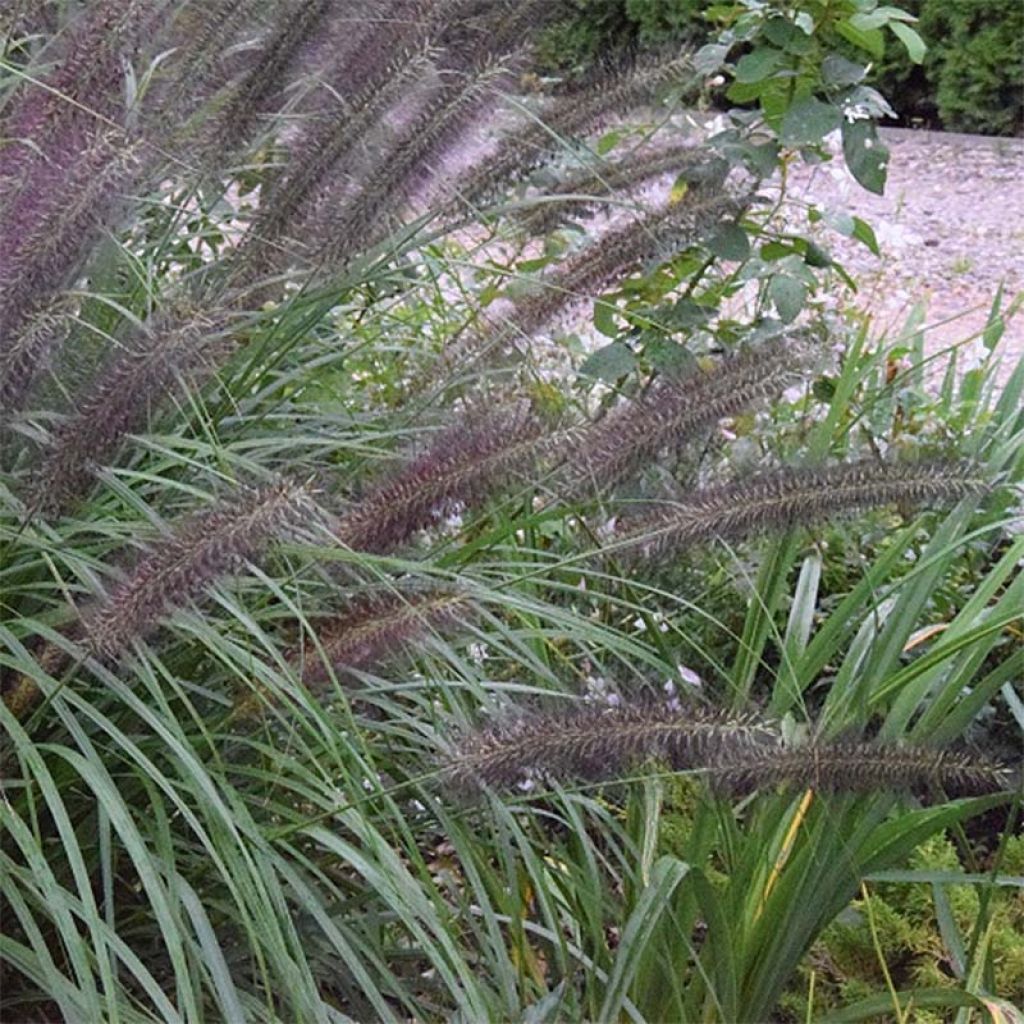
<point x="950" y="227"/>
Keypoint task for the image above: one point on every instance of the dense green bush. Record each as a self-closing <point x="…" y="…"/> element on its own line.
<point x="973" y="73"/>
<point x="970" y="79"/>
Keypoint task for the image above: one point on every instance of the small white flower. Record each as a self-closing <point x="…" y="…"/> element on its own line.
<point x="856" y="112"/>
<point x="688" y="676"/>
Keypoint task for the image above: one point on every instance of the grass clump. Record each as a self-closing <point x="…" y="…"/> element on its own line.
<point x="299" y="490"/>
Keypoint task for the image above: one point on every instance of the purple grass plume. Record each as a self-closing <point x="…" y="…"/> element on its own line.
<point x="583" y="189"/>
<point x="379" y="628"/>
<point x="676" y="410"/>
<point x="180" y="344"/>
<point x="772" y="502"/>
<point x="198" y="553"/>
<point x="461" y="468"/>
<point x="862" y="767"/>
<point x="584" y="275"/>
<point x="596" y="744"/>
<point x="738" y="754"/>
<point x="568" y="117"/>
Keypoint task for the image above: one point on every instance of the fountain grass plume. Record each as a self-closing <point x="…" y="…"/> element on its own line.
<point x="566" y="117"/>
<point x="407" y="166"/>
<point x="461" y="468"/>
<point x="27" y="351"/>
<point x="624" y="250"/>
<point x="584" y="189"/>
<point x="738" y="754"/>
<point x="181" y="344"/>
<point x="598" y="744"/>
<point x="862" y="767"/>
<point x="202" y="33"/>
<point x="771" y="502"/>
<point x="378" y="627"/>
<point x="197" y="554"/>
<point x="584" y="275"/>
<point x="51" y="234"/>
<point x="234" y="123"/>
<point x="676" y="410"/>
<point x="327" y="153"/>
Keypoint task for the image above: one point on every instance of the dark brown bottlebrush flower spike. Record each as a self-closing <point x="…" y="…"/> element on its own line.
<point x="295" y="23"/>
<point x="407" y="166"/>
<point x="378" y="628"/>
<point x="202" y="34"/>
<point x="199" y="552"/>
<point x="598" y="744"/>
<point x="616" y="254"/>
<point x="121" y="395"/>
<point x="793" y="497"/>
<point x="583" y="189"/>
<point x="27" y="350"/>
<point x="326" y="153"/>
<point x="676" y="410"/>
<point x="567" y="117"/>
<point x="852" y="767"/>
<point x="462" y="467"/>
<point x="47" y="236"/>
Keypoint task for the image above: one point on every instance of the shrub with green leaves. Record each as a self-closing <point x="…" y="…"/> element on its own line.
<point x="333" y="686"/>
<point x="967" y="80"/>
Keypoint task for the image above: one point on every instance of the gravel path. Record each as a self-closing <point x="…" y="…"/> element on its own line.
<point x="950" y="227"/>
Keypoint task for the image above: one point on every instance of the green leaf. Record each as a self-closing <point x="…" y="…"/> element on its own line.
<point x="607" y="142"/>
<point x="667" y="356"/>
<point x="788" y="294"/>
<point x="609" y="363"/>
<point x="870" y="39"/>
<point x="687" y="313"/>
<point x="837" y="70"/>
<point x="730" y="242"/>
<point x="758" y="65"/>
<point x="863" y="232"/>
<point x="708" y="59"/>
<point x="816" y="256"/>
<point x="915" y="45"/>
<point x="635" y="945"/>
<point x="809" y="121"/>
<point x="865" y="155"/>
<point x="605" y="318"/>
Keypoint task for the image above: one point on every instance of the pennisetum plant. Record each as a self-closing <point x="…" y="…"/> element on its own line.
<point x="738" y="754"/>
<point x="231" y="235"/>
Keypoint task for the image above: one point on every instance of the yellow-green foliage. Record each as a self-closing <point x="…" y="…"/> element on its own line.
<point x="846" y="961"/>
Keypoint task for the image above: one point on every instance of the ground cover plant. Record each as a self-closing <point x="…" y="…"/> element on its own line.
<point x="376" y="648"/>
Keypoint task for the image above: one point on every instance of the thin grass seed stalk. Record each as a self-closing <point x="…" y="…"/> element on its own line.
<point x="738" y="754"/>
<point x="199" y="552"/>
<point x="599" y="744"/>
<point x="462" y="468"/>
<point x="677" y="410"/>
<point x="378" y="628"/>
<point x="771" y="502"/>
